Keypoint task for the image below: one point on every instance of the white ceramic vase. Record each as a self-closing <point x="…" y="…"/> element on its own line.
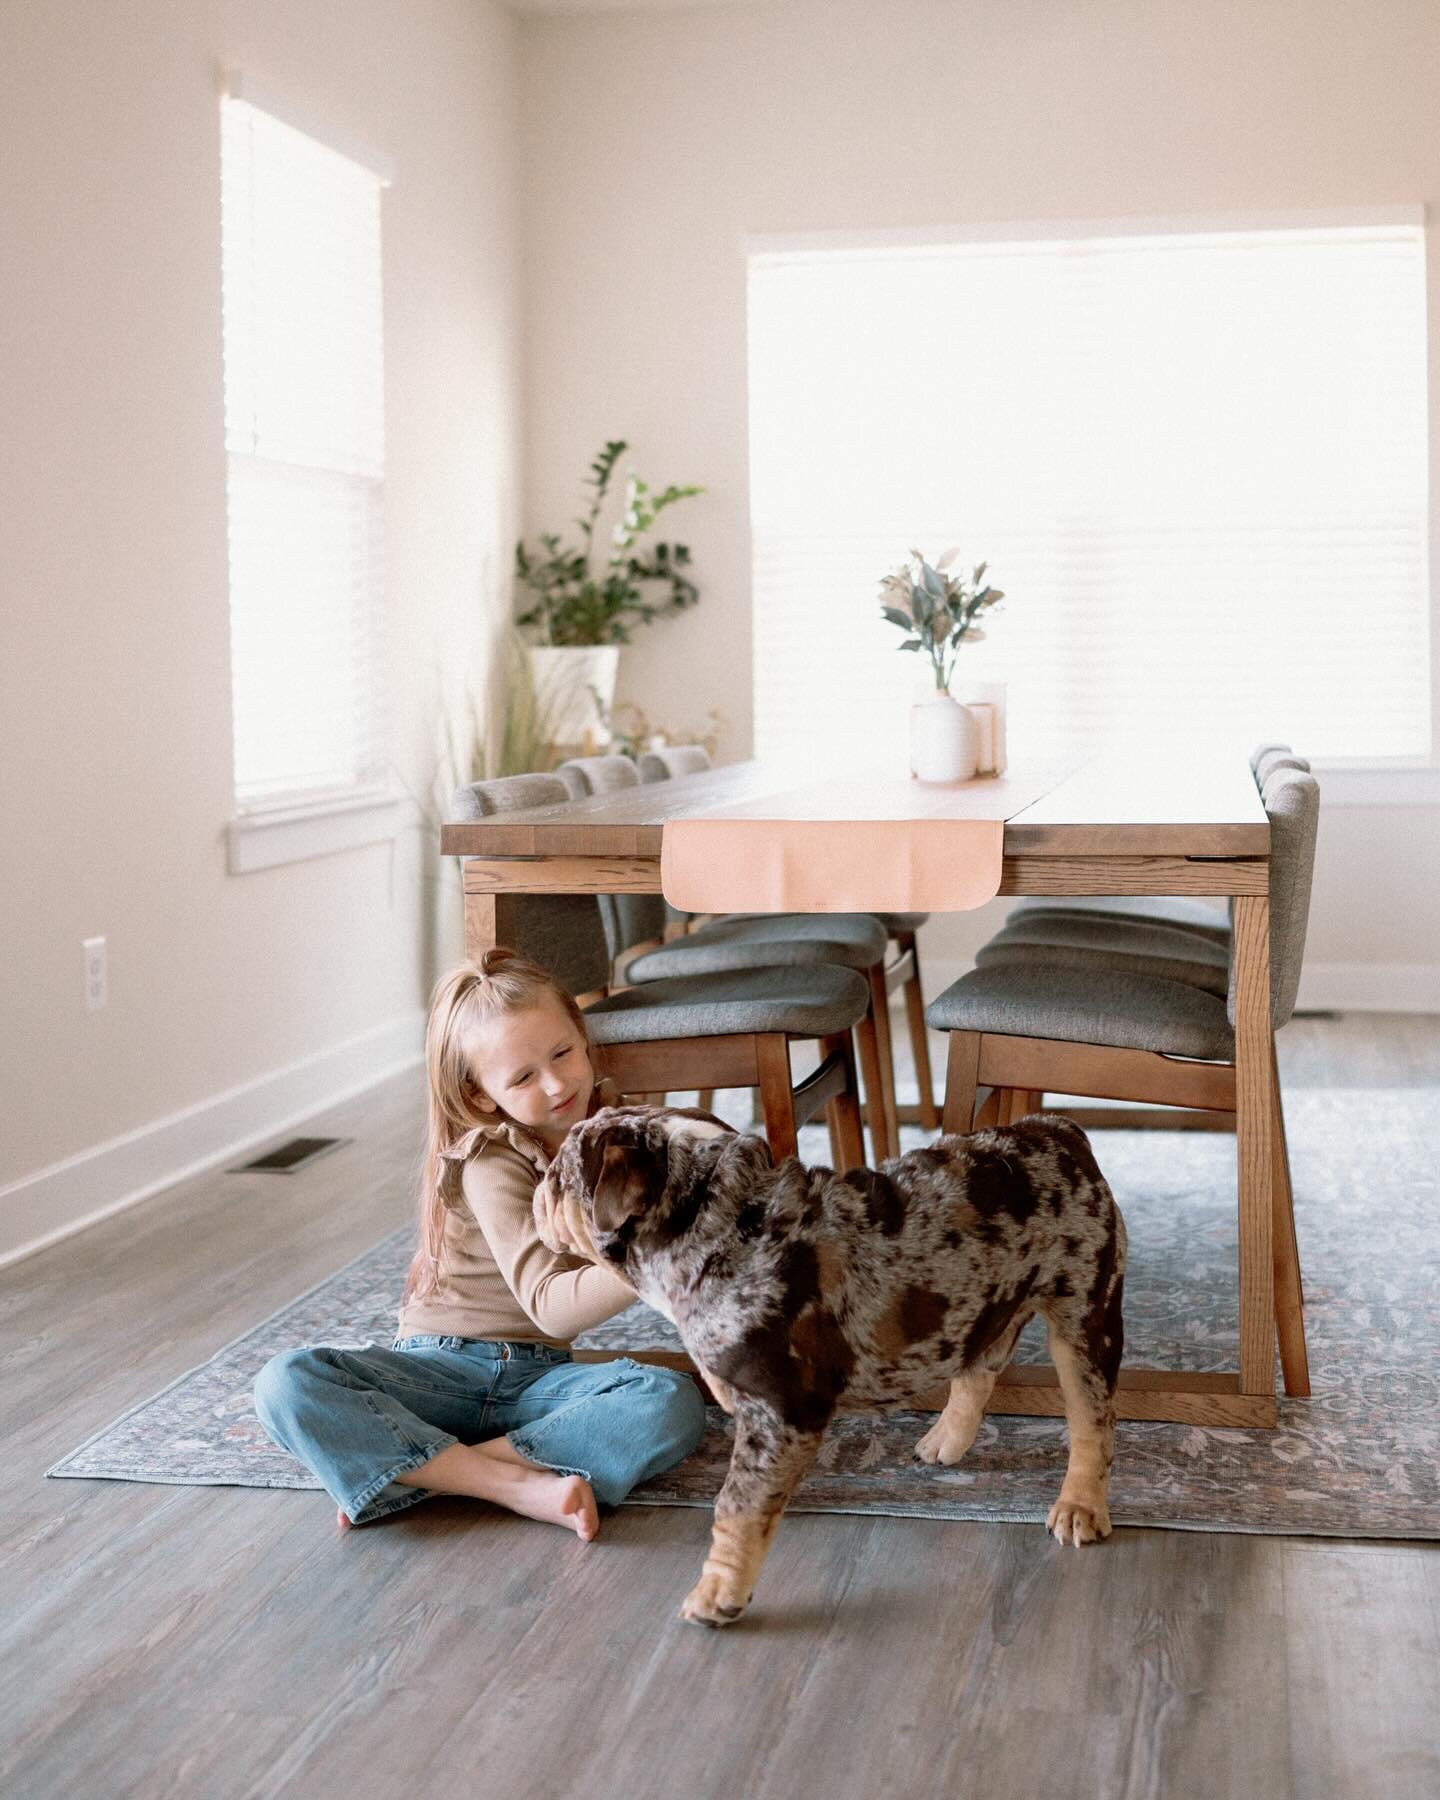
<point x="943" y="740"/>
<point x="574" y="692"/>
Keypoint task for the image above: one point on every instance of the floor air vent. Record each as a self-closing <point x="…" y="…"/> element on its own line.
<point x="290" y="1156"/>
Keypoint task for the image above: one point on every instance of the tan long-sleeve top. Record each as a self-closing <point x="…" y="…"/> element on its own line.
<point x="496" y="1278"/>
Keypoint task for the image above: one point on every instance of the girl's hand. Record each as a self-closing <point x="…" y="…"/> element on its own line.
<point x="549" y="1219"/>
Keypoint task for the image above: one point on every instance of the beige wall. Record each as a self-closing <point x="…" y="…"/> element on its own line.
<point x="115" y="763"/>
<point x="646" y="146"/>
<point x="652" y="142"/>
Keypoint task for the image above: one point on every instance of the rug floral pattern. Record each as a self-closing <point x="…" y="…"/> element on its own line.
<point x="1360" y="1458"/>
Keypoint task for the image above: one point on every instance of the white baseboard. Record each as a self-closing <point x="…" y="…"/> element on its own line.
<point x="1324" y="987"/>
<point x="42" y="1208"/>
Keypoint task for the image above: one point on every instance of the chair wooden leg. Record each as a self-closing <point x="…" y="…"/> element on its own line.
<point x="1012" y="1106"/>
<point x="919" y="1037"/>
<point x="885" y="1050"/>
<point x="1289" y="1296"/>
<point x="989" y="1113"/>
<point x="705" y="1099"/>
<point x="1254" y="1132"/>
<point x="868" y="1043"/>
<point x="777" y="1097"/>
<point x="962" y="1069"/>
<point x="842" y="1115"/>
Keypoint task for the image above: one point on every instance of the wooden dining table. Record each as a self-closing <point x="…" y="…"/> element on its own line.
<point x="1188" y="823"/>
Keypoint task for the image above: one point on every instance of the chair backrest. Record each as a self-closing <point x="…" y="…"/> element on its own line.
<point x="1278" y="759"/>
<point x="1266" y="750"/>
<point x="564" y="933"/>
<point x="673" y="759"/>
<point x="586" y="775"/>
<point x="476" y="800"/>
<point x="1292" y="803"/>
<point x="628" y="918"/>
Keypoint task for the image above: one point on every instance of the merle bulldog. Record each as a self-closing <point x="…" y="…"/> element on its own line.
<point x="794" y="1289"/>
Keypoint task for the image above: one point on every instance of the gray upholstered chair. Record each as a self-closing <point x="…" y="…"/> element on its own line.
<point x="1274" y="757"/>
<point x="630" y="920"/>
<point x="1131" y="1012"/>
<point x="1180" y="912"/>
<point x="901" y="968"/>
<point x="586" y="775"/>
<point x="634" y="925"/>
<point x="671" y="760"/>
<point x="1121" y="944"/>
<point x="711" y="1031"/>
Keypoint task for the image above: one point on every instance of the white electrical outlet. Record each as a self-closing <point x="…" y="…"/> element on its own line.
<point x="97" y="984"/>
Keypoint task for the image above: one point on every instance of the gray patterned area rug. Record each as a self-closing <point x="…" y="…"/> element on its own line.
<point x="1359" y="1459"/>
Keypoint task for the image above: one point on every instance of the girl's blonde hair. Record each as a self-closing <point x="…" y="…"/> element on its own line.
<point x="465" y="1003"/>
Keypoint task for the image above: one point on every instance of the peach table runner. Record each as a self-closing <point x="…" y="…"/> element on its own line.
<point x="850" y="843"/>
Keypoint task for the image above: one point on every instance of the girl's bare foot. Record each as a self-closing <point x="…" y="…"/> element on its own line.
<point x="342" y="1519"/>
<point x="497" y="1472"/>
<point x="554" y="1499"/>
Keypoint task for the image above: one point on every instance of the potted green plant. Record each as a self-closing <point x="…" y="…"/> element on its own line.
<point x="939" y="613"/>
<point x="582" y="610"/>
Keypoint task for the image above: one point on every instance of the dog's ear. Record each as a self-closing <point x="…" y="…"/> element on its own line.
<point x="624" y="1175"/>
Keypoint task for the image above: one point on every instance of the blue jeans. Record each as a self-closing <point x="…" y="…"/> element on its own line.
<point x="359" y="1418"/>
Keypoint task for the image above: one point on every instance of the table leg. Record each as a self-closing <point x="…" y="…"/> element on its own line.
<point x="1254" y="1135"/>
<point x="489" y="920"/>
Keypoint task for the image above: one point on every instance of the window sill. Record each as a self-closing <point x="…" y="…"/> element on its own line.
<point x="1377" y="786"/>
<point x="287" y="834"/>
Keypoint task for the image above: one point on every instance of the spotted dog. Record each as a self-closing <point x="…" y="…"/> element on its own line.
<point x="795" y="1288"/>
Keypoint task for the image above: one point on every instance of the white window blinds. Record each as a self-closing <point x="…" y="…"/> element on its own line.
<point x="1195" y="462"/>
<point x="304" y="435"/>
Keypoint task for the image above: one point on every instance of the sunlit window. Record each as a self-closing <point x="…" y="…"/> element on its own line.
<point x="304" y="435"/>
<point x="1194" y="460"/>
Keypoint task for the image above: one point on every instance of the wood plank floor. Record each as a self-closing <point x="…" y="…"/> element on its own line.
<point x="215" y="1642"/>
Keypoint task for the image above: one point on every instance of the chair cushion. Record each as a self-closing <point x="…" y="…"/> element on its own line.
<point x="1176" y="910"/>
<point x="812" y="1002"/>
<point x="893" y="922"/>
<point x="1087" y="1006"/>
<point x="1084" y="941"/>
<point x="854" y="940"/>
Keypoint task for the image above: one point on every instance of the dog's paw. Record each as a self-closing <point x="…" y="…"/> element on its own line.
<point x="1078" y="1522"/>
<point x="714" y="1600"/>
<point x="946" y="1441"/>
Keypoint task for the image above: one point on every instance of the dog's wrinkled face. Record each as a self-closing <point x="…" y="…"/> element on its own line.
<point x="609" y="1170"/>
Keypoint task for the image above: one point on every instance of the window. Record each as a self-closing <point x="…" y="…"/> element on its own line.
<point x="304" y="437"/>
<point x="1195" y="460"/>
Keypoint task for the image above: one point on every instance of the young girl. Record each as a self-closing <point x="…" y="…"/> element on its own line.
<point x="478" y="1394"/>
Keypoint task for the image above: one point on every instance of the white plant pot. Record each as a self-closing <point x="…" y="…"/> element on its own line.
<point x="574" y="692"/>
<point x="943" y="740"/>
